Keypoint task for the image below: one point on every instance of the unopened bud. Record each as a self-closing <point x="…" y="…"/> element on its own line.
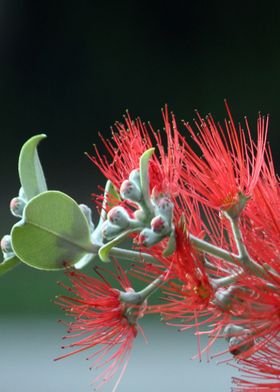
<point x="224" y="297"/>
<point x="6" y="244"/>
<point x="149" y="238"/>
<point x="240" y="344"/>
<point x="160" y="225"/>
<point x="17" y="205"/>
<point x="232" y="330"/>
<point x="140" y="215"/>
<point x="164" y="207"/>
<point x="130" y="191"/>
<point x="110" y="231"/>
<point x="119" y="216"/>
<point x="135" y="177"/>
<point x="88" y="214"/>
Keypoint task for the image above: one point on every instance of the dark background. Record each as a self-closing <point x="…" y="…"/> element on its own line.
<point x="71" y="69"/>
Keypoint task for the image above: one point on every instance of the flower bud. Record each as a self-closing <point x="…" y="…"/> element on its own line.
<point x="149" y="238"/>
<point x="232" y="330"/>
<point x="135" y="177"/>
<point x="140" y="215"/>
<point x="110" y="231"/>
<point x="88" y="214"/>
<point x="17" y="205"/>
<point x="164" y="207"/>
<point x="160" y="225"/>
<point x="130" y="191"/>
<point x="240" y="344"/>
<point x="119" y="216"/>
<point x="6" y="244"/>
<point x="224" y="297"/>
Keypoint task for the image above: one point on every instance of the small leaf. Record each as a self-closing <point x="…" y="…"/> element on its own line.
<point x="52" y="232"/>
<point x="144" y="177"/>
<point x="105" y="249"/>
<point x="110" y="192"/>
<point x="85" y="260"/>
<point x="30" y="170"/>
<point x="171" y="246"/>
<point x="8" y="264"/>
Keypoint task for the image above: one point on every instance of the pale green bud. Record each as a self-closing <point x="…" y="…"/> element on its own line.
<point x="119" y="216"/>
<point x="6" y="244"/>
<point x="130" y="191"/>
<point x="17" y="205"/>
<point x="149" y="238"/>
<point x="109" y="230"/>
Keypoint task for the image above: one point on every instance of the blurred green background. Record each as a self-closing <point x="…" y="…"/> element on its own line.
<point x="71" y="69"/>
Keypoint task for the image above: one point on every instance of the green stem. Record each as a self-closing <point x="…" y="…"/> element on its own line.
<point x="244" y="259"/>
<point x="151" y="288"/>
<point x="213" y="250"/>
<point x="137" y="298"/>
<point x="132" y="255"/>
<point x="9" y="264"/>
<point x="225" y="281"/>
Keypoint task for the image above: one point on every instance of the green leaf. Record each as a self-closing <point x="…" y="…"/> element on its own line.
<point x="171" y="246"/>
<point x="52" y="232"/>
<point x="144" y="177"/>
<point x="30" y="170"/>
<point x="110" y="191"/>
<point x="110" y="194"/>
<point x="9" y="264"/>
<point x="104" y="251"/>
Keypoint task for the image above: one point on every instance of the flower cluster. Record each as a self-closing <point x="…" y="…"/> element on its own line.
<point x="101" y="319"/>
<point x="202" y="210"/>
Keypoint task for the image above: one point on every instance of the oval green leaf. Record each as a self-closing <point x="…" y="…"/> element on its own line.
<point x="52" y="232"/>
<point x="30" y="170"/>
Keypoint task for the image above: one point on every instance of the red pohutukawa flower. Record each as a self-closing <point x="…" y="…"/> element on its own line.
<point x="130" y="140"/>
<point x="191" y="289"/>
<point x="101" y="322"/>
<point x="229" y="164"/>
<point x="206" y="230"/>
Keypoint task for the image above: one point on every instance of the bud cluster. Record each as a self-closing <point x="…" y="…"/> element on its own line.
<point x="161" y="224"/>
<point x="153" y="221"/>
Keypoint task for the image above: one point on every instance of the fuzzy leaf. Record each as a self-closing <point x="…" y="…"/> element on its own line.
<point x="30" y="170"/>
<point x="8" y="264"/>
<point x="105" y="249"/>
<point x="144" y="177"/>
<point x="171" y="246"/>
<point x="110" y="191"/>
<point x="52" y="232"/>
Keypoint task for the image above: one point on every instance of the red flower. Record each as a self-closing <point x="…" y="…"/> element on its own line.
<point x="229" y="163"/>
<point x="100" y="319"/>
<point x="189" y="290"/>
<point x="260" y="363"/>
<point x="263" y="215"/>
<point x="130" y="141"/>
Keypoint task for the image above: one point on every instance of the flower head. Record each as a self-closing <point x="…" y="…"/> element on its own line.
<point x="230" y="164"/>
<point x="101" y="320"/>
<point x="130" y="140"/>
